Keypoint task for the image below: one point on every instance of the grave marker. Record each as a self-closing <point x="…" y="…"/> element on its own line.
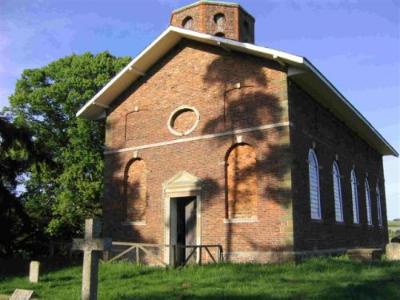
<point x="34" y="271"/>
<point x="91" y="246"/>
<point x="20" y="294"/>
<point x="393" y="251"/>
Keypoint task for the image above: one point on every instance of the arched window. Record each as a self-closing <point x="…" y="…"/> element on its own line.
<point x="135" y="191"/>
<point x="219" y="19"/>
<point x="337" y="192"/>
<point x="313" y="173"/>
<point x="187" y="23"/>
<point x="354" y="197"/>
<point x="378" y="205"/>
<point x="368" y="202"/>
<point x="242" y="186"/>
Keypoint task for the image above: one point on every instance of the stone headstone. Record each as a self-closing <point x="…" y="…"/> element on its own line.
<point x="393" y="251"/>
<point x="20" y="294"/>
<point x="34" y="271"/>
<point x="91" y="246"/>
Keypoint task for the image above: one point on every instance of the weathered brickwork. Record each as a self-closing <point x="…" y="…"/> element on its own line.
<point x="135" y="190"/>
<point x="315" y="126"/>
<point x="230" y="91"/>
<point x="270" y="217"/>
<point x="229" y="20"/>
<point x="183" y="121"/>
<point x="242" y="184"/>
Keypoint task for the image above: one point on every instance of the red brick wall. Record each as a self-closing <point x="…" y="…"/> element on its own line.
<point x="207" y="78"/>
<point x="238" y="25"/>
<point x="314" y="124"/>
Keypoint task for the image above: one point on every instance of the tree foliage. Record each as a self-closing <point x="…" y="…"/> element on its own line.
<point x="18" y="152"/>
<point x="66" y="189"/>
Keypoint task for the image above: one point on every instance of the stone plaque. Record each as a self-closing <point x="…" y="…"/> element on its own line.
<point x="20" y="294"/>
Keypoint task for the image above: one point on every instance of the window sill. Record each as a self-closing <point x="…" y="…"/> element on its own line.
<point x="317" y="221"/>
<point x="135" y="223"/>
<point x="241" y="220"/>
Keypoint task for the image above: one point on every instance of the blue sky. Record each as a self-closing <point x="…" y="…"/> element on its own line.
<point x="355" y="43"/>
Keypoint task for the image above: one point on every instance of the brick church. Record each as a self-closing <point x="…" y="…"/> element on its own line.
<point x="211" y="139"/>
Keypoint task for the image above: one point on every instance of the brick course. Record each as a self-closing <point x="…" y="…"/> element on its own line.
<point x="315" y="125"/>
<point x="238" y="25"/>
<point x="206" y="78"/>
<point x="234" y="91"/>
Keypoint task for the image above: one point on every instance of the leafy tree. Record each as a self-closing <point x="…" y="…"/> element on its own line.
<point x="67" y="188"/>
<point x="18" y="152"/>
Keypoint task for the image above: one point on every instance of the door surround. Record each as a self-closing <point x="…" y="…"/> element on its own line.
<point x="183" y="184"/>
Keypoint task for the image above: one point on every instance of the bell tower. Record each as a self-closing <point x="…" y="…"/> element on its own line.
<point x="221" y="19"/>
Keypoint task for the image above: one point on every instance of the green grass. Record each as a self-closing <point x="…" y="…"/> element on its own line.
<point x="322" y="278"/>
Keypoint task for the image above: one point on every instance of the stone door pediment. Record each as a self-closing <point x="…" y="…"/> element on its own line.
<point x="182" y="181"/>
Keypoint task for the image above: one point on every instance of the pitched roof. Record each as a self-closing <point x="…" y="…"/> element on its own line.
<point x="300" y="70"/>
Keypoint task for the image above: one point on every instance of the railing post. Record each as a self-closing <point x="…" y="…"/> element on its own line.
<point x="106" y="255"/>
<point x="200" y="255"/>
<point x="172" y="255"/>
<point x="137" y="256"/>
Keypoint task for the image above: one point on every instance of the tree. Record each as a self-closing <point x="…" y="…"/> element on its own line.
<point x="67" y="188"/>
<point x="18" y="152"/>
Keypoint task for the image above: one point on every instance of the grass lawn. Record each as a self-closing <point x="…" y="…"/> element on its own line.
<point x="320" y="278"/>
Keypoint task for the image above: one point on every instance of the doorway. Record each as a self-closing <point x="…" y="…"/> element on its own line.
<point x="182" y="204"/>
<point x="185" y="229"/>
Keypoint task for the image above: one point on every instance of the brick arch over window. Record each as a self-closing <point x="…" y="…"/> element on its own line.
<point x="241" y="182"/>
<point x="135" y="187"/>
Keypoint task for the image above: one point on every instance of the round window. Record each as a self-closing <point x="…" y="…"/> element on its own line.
<point x="183" y="120"/>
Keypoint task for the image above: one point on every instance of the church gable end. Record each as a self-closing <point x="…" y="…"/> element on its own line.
<point x="217" y="91"/>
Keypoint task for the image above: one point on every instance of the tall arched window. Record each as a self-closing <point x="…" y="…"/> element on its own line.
<point x="135" y="191"/>
<point x="368" y="202"/>
<point x="337" y="192"/>
<point x="378" y="205"/>
<point x="313" y="174"/>
<point x="242" y="186"/>
<point x="354" y="197"/>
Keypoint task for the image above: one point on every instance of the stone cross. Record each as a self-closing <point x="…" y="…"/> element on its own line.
<point x="34" y="271"/>
<point x="91" y="246"/>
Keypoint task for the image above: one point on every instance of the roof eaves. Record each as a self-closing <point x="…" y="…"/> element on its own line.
<point x="120" y="74"/>
<point x="311" y="67"/>
<point x="288" y="58"/>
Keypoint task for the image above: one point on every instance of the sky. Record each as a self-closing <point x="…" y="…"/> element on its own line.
<point x="354" y="43"/>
